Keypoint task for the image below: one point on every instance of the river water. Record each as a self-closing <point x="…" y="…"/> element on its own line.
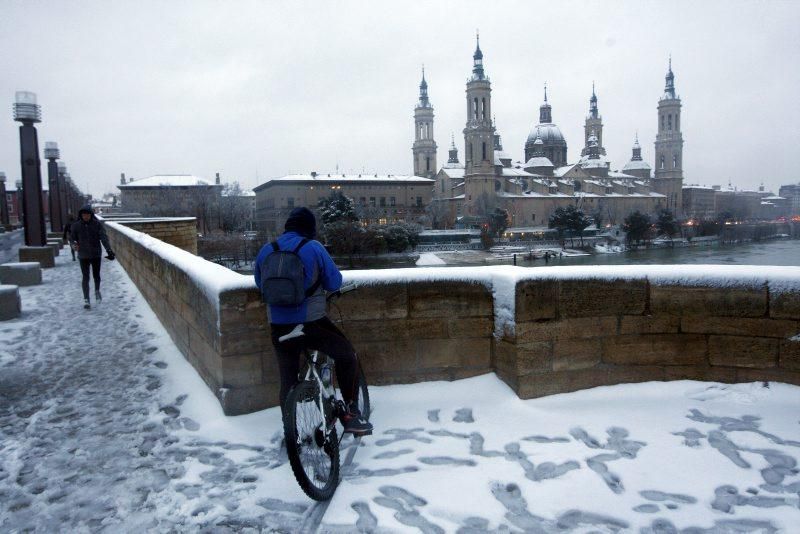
<point x="774" y="252"/>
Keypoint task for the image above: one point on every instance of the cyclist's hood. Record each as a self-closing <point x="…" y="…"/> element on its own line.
<point x="86" y="209"/>
<point x="302" y="221"/>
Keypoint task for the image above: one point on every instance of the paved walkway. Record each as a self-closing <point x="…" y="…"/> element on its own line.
<point x="88" y="440"/>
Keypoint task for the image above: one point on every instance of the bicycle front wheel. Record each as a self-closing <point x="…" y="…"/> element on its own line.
<point x="313" y="452"/>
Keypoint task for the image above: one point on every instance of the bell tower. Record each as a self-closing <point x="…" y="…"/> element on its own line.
<point x="478" y="139"/>
<point x="424" y="148"/>
<point x="668" y="176"/>
<point x="594" y="124"/>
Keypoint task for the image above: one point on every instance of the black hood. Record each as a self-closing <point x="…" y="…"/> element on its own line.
<point x="302" y="221"/>
<point x="86" y="209"/>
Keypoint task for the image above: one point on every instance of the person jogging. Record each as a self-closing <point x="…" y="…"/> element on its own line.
<point x="319" y="274"/>
<point x="86" y="234"/>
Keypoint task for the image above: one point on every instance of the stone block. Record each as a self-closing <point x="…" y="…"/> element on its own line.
<point x="534" y="357"/>
<point x="505" y="362"/>
<point x="573" y="328"/>
<point x="57" y="245"/>
<point x="572" y="354"/>
<point x="392" y="329"/>
<point x="741" y="351"/>
<point x="740" y="326"/>
<point x="634" y="374"/>
<point x="703" y="373"/>
<point x="460" y="327"/>
<point x="713" y="301"/>
<point x="44" y="255"/>
<point x="242" y="370"/>
<point x="536" y="300"/>
<point x="449" y="299"/>
<point x="380" y="357"/>
<point x="384" y="301"/>
<point x="655" y="349"/>
<point x="789" y="354"/>
<point x="242" y="400"/>
<point x="539" y="385"/>
<point x="436" y="353"/>
<point x="21" y="274"/>
<point x="649" y="324"/>
<point x="784" y="304"/>
<point x="10" y="302"/>
<point x="592" y="298"/>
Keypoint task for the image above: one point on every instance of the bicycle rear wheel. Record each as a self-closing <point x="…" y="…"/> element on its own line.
<point x="313" y="452"/>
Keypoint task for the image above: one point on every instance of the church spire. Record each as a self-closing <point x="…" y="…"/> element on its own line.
<point x="477" y="58"/>
<point x="593" y="104"/>
<point x="669" y="89"/>
<point x="637" y="150"/>
<point x="423" y="91"/>
<point x="453" y="152"/>
<point x="545" y="111"/>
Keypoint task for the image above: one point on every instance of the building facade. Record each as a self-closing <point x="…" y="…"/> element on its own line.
<point x="668" y="179"/>
<point x="379" y="199"/>
<point x="173" y="195"/>
<point x="424" y="148"/>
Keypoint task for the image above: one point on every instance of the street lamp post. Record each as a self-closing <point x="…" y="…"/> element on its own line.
<point x="27" y="112"/>
<point x="62" y="193"/>
<point x="51" y="153"/>
<point x="4" y="220"/>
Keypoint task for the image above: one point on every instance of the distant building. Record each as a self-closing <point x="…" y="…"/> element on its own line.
<point x="698" y="202"/>
<point x="379" y="199"/>
<point x="531" y="190"/>
<point x="791" y="192"/>
<point x="173" y="195"/>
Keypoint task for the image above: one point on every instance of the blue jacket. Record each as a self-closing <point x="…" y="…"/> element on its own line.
<point x="317" y="262"/>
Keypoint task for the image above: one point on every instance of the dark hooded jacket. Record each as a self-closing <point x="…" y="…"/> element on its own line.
<point x="89" y="235"/>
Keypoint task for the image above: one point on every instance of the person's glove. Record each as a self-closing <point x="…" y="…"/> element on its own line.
<point x="111" y="256"/>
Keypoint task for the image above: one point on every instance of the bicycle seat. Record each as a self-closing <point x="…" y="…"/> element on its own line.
<point x="296" y="332"/>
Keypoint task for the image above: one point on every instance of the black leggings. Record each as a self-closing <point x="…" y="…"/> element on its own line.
<point x="95" y="263"/>
<point x="322" y="335"/>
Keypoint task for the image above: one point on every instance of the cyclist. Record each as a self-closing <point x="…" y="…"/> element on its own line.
<point x="320" y="332"/>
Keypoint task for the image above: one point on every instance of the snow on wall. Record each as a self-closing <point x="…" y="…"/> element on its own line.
<point x="501" y="280"/>
<point x="213" y="279"/>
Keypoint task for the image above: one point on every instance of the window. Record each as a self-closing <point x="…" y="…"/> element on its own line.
<point x="475" y="108"/>
<point x="383" y="201"/>
<point x="661" y="163"/>
<point x="362" y="201"/>
<point x="442" y="186"/>
<point x="290" y="200"/>
<point x="669" y="122"/>
<point x="483" y="145"/>
<point x="483" y="108"/>
<point x="419" y="199"/>
<point x="677" y="122"/>
<point x="533" y="217"/>
<point x="392" y="201"/>
<point x="427" y="163"/>
<point x="674" y="161"/>
<point x="372" y="202"/>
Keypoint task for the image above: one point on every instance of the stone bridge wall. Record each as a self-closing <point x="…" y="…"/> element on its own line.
<point x="569" y="333"/>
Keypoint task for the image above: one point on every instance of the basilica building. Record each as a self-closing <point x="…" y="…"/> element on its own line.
<point x="531" y="190"/>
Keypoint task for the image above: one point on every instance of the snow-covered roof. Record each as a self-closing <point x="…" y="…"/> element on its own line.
<point x="636" y="165"/>
<point x="774" y="197"/>
<point x="347" y="178"/>
<point x="168" y="180"/>
<point x="595" y="164"/>
<point x="705" y="187"/>
<point x="510" y="171"/>
<point x="561" y="171"/>
<point x="453" y="166"/>
<point x="453" y="172"/>
<point x="617" y="174"/>
<point x="539" y="161"/>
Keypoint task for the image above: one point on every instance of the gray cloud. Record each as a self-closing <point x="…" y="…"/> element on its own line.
<point x="262" y="88"/>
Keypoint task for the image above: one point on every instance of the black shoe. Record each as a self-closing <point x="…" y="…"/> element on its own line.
<point x="97" y="296"/>
<point x="86" y="305"/>
<point x="355" y="423"/>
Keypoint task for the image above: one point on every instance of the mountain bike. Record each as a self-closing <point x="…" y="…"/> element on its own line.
<point x="312" y="409"/>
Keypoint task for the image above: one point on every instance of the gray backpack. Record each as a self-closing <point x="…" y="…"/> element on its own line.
<point x="283" y="277"/>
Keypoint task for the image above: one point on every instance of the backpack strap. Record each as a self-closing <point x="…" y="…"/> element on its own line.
<point x="275" y="247"/>
<point x="313" y="288"/>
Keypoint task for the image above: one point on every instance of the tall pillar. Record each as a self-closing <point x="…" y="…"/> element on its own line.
<point x="51" y="153"/>
<point x="4" y="219"/>
<point x="27" y="111"/>
<point x="62" y="193"/>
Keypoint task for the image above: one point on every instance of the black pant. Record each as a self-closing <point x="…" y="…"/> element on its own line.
<point x="95" y="263"/>
<point x="321" y="335"/>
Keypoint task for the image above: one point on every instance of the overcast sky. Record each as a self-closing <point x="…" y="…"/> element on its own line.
<point x="260" y="89"/>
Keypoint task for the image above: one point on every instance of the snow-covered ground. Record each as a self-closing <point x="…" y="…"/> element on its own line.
<point x="104" y="426"/>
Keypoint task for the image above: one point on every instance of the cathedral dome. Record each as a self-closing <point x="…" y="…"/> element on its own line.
<point x="550" y="134"/>
<point x="636" y="165"/>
